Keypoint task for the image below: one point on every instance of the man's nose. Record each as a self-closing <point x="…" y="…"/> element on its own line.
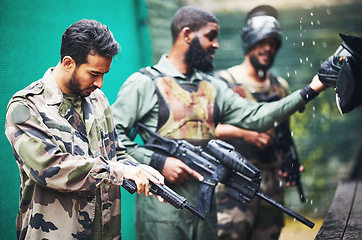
<point x="215" y="44"/>
<point x="99" y="82"/>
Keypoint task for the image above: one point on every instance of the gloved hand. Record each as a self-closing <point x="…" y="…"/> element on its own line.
<point x="329" y="70"/>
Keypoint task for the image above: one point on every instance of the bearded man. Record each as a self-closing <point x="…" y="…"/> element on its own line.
<point x="178" y="100"/>
<point x="262" y="38"/>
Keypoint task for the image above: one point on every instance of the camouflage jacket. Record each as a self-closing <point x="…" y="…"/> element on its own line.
<point x="70" y="177"/>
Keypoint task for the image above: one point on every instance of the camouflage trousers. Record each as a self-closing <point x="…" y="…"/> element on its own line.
<point x="255" y="220"/>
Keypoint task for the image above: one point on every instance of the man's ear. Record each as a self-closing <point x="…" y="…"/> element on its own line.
<point x="68" y="63"/>
<point x="187" y="35"/>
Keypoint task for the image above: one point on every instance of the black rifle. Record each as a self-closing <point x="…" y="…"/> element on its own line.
<point x="290" y="161"/>
<point x="225" y="166"/>
<point x="165" y="192"/>
<point x="284" y="141"/>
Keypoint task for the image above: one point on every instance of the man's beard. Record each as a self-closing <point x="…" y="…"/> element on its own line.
<point x="198" y="57"/>
<point x="258" y="66"/>
<point x="74" y="85"/>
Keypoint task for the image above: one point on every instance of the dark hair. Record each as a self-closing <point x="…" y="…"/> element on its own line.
<point x="191" y="17"/>
<point x="87" y="37"/>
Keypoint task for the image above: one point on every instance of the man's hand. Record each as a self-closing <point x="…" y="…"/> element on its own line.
<point x="261" y="140"/>
<point x="227" y="131"/>
<point x="284" y="176"/>
<point x="141" y="175"/>
<point x="175" y="171"/>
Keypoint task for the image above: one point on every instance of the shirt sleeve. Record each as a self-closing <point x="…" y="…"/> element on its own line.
<point x="250" y="115"/>
<point x="136" y="102"/>
<point x="45" y="162"/>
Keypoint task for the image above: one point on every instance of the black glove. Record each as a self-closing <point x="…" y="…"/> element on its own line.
<point x="349" y="83"/>
<point x="329" y="71"/>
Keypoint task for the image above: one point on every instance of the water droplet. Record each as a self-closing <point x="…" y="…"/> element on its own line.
<point x="302" y="43"/>
<point x="300" y="60"/>
<point x="312" y="23"/>
<point x="328" y="11"/>
<point x="306" y="59"/>
<point x="311" y="65"/>
<point x="318" y="22"/>
<point x="324" y="44"/>
<point x="311" y="14"/>
<point x="288" y="74"/>
<point x="313" y="43"/>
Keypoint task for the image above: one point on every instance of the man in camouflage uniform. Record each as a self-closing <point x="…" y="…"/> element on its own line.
<point x="262" y="38"/>
<point x="63" y="137"/>
<point x="176" y="99"/>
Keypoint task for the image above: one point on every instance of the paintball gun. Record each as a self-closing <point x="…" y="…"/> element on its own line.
<point x="224" y="165"/>
<point x="165" y="192"/>
<point x="290" y="161"/>
<point x="284" y="141"/>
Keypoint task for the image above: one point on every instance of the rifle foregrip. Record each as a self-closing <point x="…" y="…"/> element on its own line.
<point x="167" y="194"/>
<point x="174" y="199"/>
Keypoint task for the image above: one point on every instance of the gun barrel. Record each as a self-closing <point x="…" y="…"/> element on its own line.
<point x="194" y="210"/>
<point x="287" y="210"/>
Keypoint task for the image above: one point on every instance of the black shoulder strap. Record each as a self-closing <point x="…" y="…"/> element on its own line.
<point x="274" y="80"/>
<point x="148" y="73"/>
<point x="230" y="84"/>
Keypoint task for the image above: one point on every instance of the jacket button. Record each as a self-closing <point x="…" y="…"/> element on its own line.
<point x="89" y="198"/>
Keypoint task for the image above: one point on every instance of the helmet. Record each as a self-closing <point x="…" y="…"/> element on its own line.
<point x="260" y="23"/>
<point x="349" y="82"/>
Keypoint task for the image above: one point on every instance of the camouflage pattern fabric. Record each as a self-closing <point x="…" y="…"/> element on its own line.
<point x="68" y="168"/>
<point x="190" y="113"/>
<point x="190" y="117"/>
<point x="257" y="219"/>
